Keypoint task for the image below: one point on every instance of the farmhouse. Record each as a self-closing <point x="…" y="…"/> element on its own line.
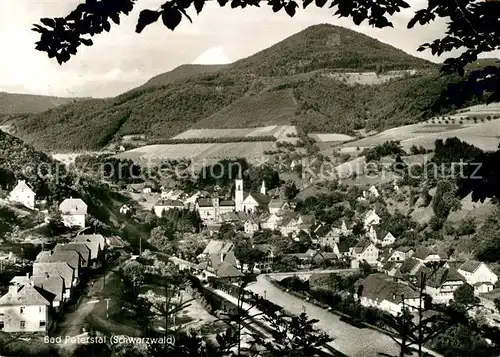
<point x="401" y="253"/>
<point x="441" y="284"/>
<point x="96" y="243"/>
<point x="73" y="212"/>
<point x="425" y="255"/>
<point x="270" y="221"/>
<point x="388" y="240"/>
<point x="23" y="194"/>
<point x="60" y="269"/>
<point x="478" y="275"/>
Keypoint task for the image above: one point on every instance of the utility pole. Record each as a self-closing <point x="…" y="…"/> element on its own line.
<point x="107" y="307"/>
<point x="140" y="245"/>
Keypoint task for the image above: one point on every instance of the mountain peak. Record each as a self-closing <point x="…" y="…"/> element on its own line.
<point x="327" y="46"/>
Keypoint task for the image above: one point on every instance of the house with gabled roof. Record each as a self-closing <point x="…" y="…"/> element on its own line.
<point x="23" y="194"/>
<point x="382" y="292"/>
<point x="271" y="221"/>
<point x="427" y="255"/>
<point x="276" y="205"/>
<point x="79" y="247"/>
<point x="53" y="284"/>
<point x="96" y="243"/>
<point x="479" y="275"/>
<point x="365" y="250"/>
<point x="411" y="266"/>
<point x="165" y="205"/>
<point x="73" y="212"/>
<point x="389" y="239"/>
<point x="401" y="253"/>
<point x="441" y="283"/>
<point x="391" y="267"/>
<point x="25" y="308"/>
<point x="61" y="269"/>
<point x="289" y="225"/>
<point x="251" y="225"/>
<point x="71" y="257"/>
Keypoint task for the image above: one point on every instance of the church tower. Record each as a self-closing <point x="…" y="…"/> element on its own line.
<point x="263" y="188"/>
<point x="238" y="195"/>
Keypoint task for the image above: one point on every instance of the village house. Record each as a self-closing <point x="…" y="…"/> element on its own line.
<point x="411" y="266"/>
<point x="166" y="205"/>
<point x="25" y="308"/>
<point x="372" y="191"/>
<point x="372" y="235"/>
<point x="80" y="248"/>
<point x="426" y="255"/>
<point x="251" y="225"/>
<point x="382" y="292"/>
<point x="52" y="284"/>
<point x="370" y="218"/>
<point x="267" y="250"/>
<point x="288" y="225"/>
<point x="270" y="221"/>
<point x="365" y="250"/>
<point x="96" y="243"/>
<point x="389" y="239"/>
<point x="442" y="283"/>
<point x="277" y="205"/>
<point x="23" y="194"/>
<point x="125" y="209"/>
<point x="479" y="275"/>
<point x="61" y="269"/>
<point x="392" y="267"/>
<point x="71" y="257"/>
<point x="73" y="212"/>
<point x="401" y="253"/>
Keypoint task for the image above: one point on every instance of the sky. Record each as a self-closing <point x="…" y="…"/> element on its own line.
<point x="121" y="60"/>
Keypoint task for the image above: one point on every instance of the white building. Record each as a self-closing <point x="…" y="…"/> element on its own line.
<point x="478" y="275"/>
<point x="271" y="221"/>
<point x="367" y="251"/>
<point x="369" y="219"/>
<point x="382" y="292"/>
<point x="388" y="240"/>
<point x="23" y="194"/>
<point x="166" y="205"/>
<point x="254" y="201"/>
<point x="73" y="212"/>
<point x="251" y="225"/>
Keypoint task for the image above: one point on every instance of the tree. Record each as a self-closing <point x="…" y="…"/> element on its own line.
<point x="465" y="295"/>
<point x="295" y="336"/>
<point x="291" y="190"/>
<point x="133" y="273"/>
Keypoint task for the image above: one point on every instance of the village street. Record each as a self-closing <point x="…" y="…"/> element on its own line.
<point x="350" y="340"/>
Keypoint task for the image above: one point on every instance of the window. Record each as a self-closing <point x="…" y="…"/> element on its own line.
<point x="2" y="325"/>
<point x="22" y="310"/>
<point x="22" y="325"/>
<point x="40" y="309"/>
<point x="42" y="323"/>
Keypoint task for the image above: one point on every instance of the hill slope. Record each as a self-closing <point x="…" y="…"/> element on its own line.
<point x="182" y="72"/>
<point x="13" y="103"/>
<point x="288" y="83"/>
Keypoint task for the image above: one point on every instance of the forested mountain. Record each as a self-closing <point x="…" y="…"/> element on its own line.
<point x="295" y="81"/>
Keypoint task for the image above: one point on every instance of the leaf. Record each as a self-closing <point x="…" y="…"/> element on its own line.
<point x="48" y="22"/>
<point x="320" y="3"/>
<point x="106" y="26"/>
<point x="171" y="18"/>
<point x="290" y="8"/>
<point x="146" y="17"/>
<point x="185" y="14"/>
<point x="198" y="5"/>
<point x="86" y="41"/>
<point x="115" y="18"/>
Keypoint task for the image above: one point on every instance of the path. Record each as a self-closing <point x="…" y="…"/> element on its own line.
<point x="350" y="340"/>
<point x="73" y="321"/>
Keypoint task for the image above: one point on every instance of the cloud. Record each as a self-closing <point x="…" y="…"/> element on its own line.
<point x="214" y="55"/>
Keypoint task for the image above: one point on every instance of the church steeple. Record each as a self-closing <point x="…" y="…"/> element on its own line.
<point x="238" y="194"/>
<point x="263" y="188"/>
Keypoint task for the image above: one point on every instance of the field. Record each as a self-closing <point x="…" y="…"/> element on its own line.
<point x="369" y="78"/>
<point x="280" y="132"/>
<point x="199" y="153"/>
<point x="484" y="135"/>
<point x="329" y="137"/>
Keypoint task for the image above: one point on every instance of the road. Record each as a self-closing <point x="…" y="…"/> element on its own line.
<point x="350" y="340"/>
